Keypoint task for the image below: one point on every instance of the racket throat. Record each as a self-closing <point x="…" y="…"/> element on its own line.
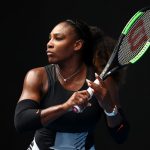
<point x="112" y="71"/>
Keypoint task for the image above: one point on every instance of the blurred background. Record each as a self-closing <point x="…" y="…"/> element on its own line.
<point x="25" y="26"/>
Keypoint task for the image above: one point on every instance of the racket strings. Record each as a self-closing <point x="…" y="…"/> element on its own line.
<point x="135" y="39"/>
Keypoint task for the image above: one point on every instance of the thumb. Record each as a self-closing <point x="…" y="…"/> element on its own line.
<point x="92" y="84"/>
<point x="89" y="104"/>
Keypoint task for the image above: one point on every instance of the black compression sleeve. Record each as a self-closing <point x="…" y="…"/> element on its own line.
<point x="121" y="131"/>
<point x="27" y="116"/>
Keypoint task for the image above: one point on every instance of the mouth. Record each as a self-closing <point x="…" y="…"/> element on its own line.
<point x="49" y="53"/>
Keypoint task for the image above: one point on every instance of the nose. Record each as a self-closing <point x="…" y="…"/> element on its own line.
<point x="50" y="44"/>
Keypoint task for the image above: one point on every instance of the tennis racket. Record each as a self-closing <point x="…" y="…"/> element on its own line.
<point x="132" y="44"/>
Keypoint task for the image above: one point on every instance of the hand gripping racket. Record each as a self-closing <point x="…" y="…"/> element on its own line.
<point x="133" y="42"/>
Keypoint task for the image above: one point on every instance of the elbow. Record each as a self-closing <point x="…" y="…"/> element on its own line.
<point x="121" y="137"/>
<point x="18" y="125"/>
<point x="121" y="133"/>
<point x="27" y="121"/>
<point x="27" y="116"/>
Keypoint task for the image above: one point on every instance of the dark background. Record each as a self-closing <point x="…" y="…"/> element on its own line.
<point x="25" y="26"/>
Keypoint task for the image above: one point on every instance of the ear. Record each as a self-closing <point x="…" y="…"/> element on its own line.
<point x="78" y="45"/>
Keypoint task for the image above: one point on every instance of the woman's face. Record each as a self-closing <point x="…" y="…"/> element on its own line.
<point x="60" y="46"/>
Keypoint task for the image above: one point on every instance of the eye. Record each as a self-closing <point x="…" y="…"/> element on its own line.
<point x="58" y="38"/>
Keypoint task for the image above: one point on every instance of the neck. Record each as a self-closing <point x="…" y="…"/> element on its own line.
<point x="68" y="72"/>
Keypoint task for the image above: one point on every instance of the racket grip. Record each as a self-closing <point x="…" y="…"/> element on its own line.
<point x="79" y="109"/>
<point x="90" y="90"/>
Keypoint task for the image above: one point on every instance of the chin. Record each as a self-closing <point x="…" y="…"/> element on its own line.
<point x="52" y="61"/>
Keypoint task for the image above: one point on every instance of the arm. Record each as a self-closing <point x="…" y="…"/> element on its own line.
<point x="28" y="115"/>
<point x="107" y="94"/>
<point x="118" y="125"/>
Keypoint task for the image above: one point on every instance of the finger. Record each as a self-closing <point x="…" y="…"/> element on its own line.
<point x="101" y="82"/>
<point x="82" y="102"/>
<point x="84" y="93"/>
<point x="89" y="105"/>
<point x="76" y="93"/>
<point x="83" y="97"/>
<point x="92" y="84"/>
<point x="79" y="93"/>
<point x="88" y="82"/>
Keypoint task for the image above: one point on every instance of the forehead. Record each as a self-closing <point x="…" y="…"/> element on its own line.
<point x="63" y="28"/>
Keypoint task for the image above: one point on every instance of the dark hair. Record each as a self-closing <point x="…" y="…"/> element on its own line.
<point x="97" y="46"/>
<point x="83" y="32"/>
<point x="104" y="45"/>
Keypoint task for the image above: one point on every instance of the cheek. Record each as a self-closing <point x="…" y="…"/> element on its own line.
<point x="64" y="48"/>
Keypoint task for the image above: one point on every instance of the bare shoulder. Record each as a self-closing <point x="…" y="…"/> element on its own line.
<point x="35" y="75"/>
<point x="33" y="84"/>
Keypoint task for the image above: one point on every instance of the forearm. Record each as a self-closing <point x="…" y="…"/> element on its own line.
<point x="114" y="121"/>
<point x="118" y="126"/>
<point x="116" y="117"/>
<point x="110" y="108"/>
<point x="28" y="115"/>
<point x="48" y="115"/>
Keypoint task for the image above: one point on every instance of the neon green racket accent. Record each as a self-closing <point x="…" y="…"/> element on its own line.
<point x="131" y="22"/>
<point x="140" y="54"/>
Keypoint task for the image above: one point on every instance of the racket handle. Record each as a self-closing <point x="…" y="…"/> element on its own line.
<point x="90" y="90"/>
<point x="79" y="109"/>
